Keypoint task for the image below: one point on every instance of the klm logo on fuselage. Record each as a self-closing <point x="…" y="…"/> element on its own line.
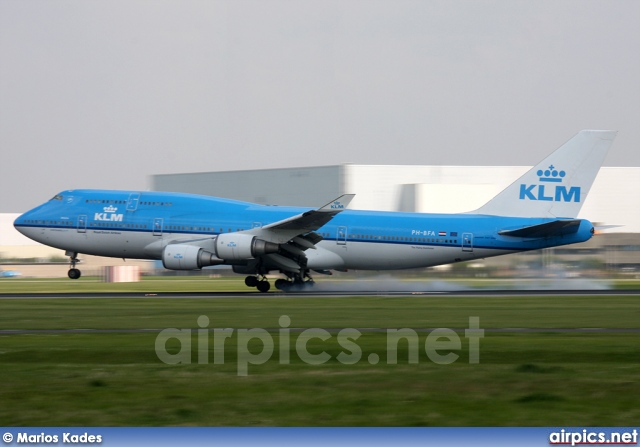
<point x="109" y="215"/>
<point x="548" y="191"/>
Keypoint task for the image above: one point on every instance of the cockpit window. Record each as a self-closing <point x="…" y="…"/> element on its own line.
<point x="57" y="197"/>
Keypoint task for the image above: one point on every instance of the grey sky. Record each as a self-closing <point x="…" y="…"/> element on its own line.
<point x="102" y="94"/>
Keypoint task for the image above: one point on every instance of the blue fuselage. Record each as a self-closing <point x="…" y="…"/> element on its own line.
<point x="139" y="225"/>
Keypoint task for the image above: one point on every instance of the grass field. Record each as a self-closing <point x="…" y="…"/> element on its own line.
<point x="547" y="377"/>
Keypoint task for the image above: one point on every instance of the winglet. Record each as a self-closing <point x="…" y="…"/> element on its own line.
<point x="339" y="204"/>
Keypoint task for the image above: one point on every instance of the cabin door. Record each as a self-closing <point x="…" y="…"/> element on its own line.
<point x="341" y="236"/>
<point x="157" y="226"/>
<point x="132" y="203"/>
<point x="467" y="241"/>
<point x="82" y="223"/>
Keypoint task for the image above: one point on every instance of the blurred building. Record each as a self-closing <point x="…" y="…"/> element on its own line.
<point x="613" y="199"/>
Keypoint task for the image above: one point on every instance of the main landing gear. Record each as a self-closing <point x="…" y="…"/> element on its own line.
<point x="295" y="282"/>
<point x="261" y="284"/>
<point x="73" y="273"/>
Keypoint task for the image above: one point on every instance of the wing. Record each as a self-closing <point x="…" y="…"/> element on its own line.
<point x="285" y="230"/>
<point x="296" y="234"/>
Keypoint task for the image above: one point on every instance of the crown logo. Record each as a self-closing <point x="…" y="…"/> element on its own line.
<point x="551" y="175"/>
<point x="110" y="209"/>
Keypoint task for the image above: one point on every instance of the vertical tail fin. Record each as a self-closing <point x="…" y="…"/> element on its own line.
<point x="559" y="184"/>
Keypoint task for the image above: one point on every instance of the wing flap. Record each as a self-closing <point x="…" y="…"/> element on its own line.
<point x="283" y="262"/>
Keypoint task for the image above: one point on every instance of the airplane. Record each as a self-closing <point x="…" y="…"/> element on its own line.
<point x="191" y="232"/>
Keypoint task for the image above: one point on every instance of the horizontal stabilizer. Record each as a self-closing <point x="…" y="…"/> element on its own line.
<point x="548" y="229"/>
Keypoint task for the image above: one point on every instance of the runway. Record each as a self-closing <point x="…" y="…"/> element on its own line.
<point x="328" y="293"/>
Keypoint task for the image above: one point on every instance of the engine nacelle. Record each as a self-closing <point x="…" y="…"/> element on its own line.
<point x="234" y="246"/>
<point x="187" y="257"/>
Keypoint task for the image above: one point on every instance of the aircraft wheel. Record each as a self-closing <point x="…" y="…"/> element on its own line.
<point x="282" y="284"/>
<point x="251" y="281"/>
<point x="264" y="286"/>
<point x="74" y="273"/>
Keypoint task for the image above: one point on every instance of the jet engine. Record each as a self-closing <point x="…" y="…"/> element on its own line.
<point x="226" y="247"/>
<point x="187" y="257"/>
<point x="234" y="246"/>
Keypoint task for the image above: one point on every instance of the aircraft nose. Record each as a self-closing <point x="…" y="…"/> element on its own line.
<point x="20" y="222"/>
<point x="26" y="224"/>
